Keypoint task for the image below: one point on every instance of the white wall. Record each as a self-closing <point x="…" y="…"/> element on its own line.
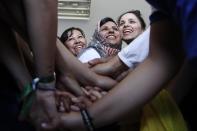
<point x="103" y="8"/>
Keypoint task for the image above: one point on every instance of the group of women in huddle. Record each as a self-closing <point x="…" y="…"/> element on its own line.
<point x="106" y="42"/>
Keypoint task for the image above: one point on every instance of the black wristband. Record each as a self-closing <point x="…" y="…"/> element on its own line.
<point x="47" y="79"/>
<point x="87" y="120"/>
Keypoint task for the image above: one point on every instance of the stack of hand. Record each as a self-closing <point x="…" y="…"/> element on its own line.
<point x="49" y="105"/>
<point x="66" y="102"/>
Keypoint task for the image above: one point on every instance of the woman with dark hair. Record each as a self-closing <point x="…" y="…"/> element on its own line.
<point x="74" y="39"/>
<point x="131" y="24"/>
<point x="105" y="42"/>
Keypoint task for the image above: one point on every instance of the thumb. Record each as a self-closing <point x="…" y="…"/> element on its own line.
<point x="54" y="124"/>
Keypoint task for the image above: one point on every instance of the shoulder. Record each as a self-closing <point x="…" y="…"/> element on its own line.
<point x="88" y="54"/>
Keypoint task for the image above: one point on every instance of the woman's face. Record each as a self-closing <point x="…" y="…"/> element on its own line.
<point x="110" y="32"/>
<point x="130" y="27"/>
<point x="75" y="42"/>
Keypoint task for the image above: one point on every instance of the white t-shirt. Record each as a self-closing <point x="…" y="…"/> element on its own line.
<point x="136" y="51"/>
<point x="89" y="54"/>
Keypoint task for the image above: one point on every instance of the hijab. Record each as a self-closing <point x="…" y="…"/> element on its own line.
<point x="100" y="44"/>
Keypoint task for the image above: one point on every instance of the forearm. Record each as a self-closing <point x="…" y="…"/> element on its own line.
<point x="70" y="84"/>
<point x="129" y="95"/>
<point x="42" y="30"/>
<point x="180" y="84"/>
<point x="113" y="67"/>
<point x="19" y="72"/>
<point x="26" y="53"/>
<point x="118" y="66"/>
<point x="68" y="64"/>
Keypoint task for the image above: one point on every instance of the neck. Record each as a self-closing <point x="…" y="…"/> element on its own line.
<point x="128" y="41"/>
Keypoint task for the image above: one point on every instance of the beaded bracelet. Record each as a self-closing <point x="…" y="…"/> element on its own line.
<point x="87" y="120"/>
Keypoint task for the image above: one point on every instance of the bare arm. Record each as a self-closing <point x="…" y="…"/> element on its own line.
<point x="42" y="30"/>
<point x="41" y="17"/>
<point x="111" y="67"/>
<point x="26" y="53"/>
<point x="41" y="26"/>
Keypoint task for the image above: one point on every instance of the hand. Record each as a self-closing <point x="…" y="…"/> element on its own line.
<point x="63" y="101"/>
<point x="123" y="75"/>
<point x="94" y="93"/>
<point x="44" y="110"/>
<point x="101" y="66"/>
<point x="67" y="102"/>
<point x="97" y="61"/>
<point x="80" y="103"/>
<point x="108" y="67"/>
<point x="70" y="84"/>
<point x="104" y="82"/>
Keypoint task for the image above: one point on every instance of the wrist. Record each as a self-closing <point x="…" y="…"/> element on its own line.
<point x="87" y="120"/>
<point x="30" y="91"/>
<point x="72" y="121"/>
<point x="118" y="66"/>
<point x="44" y="83"/>
<point x="50" y="86"/>
<point x="48" y="78"/>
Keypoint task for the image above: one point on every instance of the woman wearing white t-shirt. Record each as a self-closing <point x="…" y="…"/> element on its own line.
<point x="131" y="24"/>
